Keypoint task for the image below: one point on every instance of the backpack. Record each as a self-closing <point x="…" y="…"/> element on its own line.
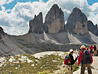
<point x="67" y="60"/>
<point x="86" y="57"/>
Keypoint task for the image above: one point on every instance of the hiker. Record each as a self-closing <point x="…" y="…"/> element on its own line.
<point x="91" y="49"/>
<point x="85" y="58"/>
<point x="71" y="61"/>
<point x="95" y="49"/>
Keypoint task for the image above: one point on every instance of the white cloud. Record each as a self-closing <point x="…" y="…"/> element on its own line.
<point x="93" y="15"/>
<point x="3" y="8"/>
<point x="17" y="21"/>
<point x="2" y="2"/>
<point x="94" y="7"/>
<point x="9" y="1"/>
<point x="20" y="16"/>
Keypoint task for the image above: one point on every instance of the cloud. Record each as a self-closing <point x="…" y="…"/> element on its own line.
<point x="9" y="1"/>
<point x="94" y="13"/>
<point x="20" y="16"/>
<point x="17" y="21"/>
<point x="2" y="2"/>
<point x="3" y="8"/>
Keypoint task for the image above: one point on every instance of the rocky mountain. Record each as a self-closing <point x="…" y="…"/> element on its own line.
<point x="36" y="25"/>
<point x="77" y="22"/>
<point x="54" y="20"/>
<point x="51" y="35"/>
<point x="92" y="28"/>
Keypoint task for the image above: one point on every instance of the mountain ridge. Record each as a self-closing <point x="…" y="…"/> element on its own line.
<point x="54" y="36"/>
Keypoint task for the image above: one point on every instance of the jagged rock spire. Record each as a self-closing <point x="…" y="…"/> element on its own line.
<point x="77" y="22"/>
<point x="54" y="20"/>
<point x="36" y="25"/>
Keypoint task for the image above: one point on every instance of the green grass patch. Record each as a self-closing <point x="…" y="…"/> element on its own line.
<point x="45" y="65"/>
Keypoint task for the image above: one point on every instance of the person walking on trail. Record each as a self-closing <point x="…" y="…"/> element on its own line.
<point x="72" y="61"/>
<point x="91" y="49"/>
<point x="95" y="49"/>
<point x="85" y="58"/>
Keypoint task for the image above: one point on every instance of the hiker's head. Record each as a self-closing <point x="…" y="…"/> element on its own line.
<point x="82" y="47"/>
<point x="94" y="45"/>
<point x="71" y="51"/>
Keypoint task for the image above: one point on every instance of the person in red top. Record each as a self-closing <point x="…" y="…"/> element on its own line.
<point x="91" y="48"/>
<point x="81" y="60"/>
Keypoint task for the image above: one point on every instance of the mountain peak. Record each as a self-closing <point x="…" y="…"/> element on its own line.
<point x="55" y="6"/>
<point x="54" y="20"/>
<point x="77" y="22"/>
<point x="76" y="9"/>
<point x="36" y="25"/>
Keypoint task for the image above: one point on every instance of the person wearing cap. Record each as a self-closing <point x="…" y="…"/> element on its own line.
<point x="80" y="60"/>
<point x="72" y="61"/>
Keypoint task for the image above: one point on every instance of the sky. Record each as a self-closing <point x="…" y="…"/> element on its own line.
<point x="16" y="14"/>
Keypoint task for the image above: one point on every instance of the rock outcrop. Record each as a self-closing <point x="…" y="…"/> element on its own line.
<point x="36" y="25"/>
<point x="77" y="22"/>
<point x="1" y="30"/>
<point x="93" y="28"/>
<point x="54" y="20"/>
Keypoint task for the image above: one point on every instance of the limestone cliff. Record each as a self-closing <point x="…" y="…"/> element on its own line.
<point x="54" y="20"/>
<point x="77" y="22"/>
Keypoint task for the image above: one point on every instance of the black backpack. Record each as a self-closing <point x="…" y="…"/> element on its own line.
<point x="86" y="57"/>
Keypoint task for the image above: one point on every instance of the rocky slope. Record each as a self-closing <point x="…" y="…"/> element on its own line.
<point x="51" y="35"/>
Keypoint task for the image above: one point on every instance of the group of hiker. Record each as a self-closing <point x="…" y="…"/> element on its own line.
<point x="84" y="58"/>
<point x="93" y="49"/>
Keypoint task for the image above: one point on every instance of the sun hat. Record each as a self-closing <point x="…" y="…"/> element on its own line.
<point x="82" y="47"/>
<point x="71" y="50"/>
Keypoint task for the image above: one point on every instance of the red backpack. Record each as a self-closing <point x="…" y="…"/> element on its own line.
<point x="67" y="60"/>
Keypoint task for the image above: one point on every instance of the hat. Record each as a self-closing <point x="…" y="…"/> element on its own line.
<point x="82" y="47"/>
<point x="71" y="50"/>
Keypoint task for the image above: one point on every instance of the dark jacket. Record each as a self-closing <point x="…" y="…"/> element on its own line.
<point x="72" y="61"/>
